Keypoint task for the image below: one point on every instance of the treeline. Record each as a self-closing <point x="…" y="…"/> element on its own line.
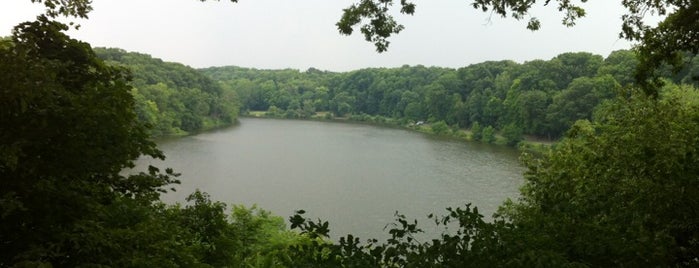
<point x="618" y="191"/>
<point x="541" y="97"/>
<point x="173" y="98"/>
<point x="69" y="127"/>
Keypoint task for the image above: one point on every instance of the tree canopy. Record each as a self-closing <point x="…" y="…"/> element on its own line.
<point x="658" y="45"/>
<point x="610" y="194"/>
<point x="172" y="98"/>
<point x="68" y="129"/>
<point x="661" y="44"/>
<point x="541" y="98"/>
<point x="620" y="189"/>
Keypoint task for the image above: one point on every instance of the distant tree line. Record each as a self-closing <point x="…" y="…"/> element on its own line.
<point x="69" y="126"/>
<point x="173" y="98"/>
<point x="619" y="190"/>
<point x="541" y="97"/>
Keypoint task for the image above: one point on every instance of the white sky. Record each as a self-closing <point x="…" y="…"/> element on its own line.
<point x="275" y="34"/>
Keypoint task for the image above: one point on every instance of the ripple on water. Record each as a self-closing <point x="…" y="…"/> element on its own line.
<point x="355" y="176"/>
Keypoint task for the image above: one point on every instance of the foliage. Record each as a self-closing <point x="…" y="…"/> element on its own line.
<point x="380" y="24"/>
<point x="620" y="191"/>
<point x="512" y="134"/>
<point x="172" y="98"/>
<point x="610" y="194"/>
<point x="440" y="128"/>
<point x="543" y="98"/>
<point x="68" y="129"/>
<point x="488" y="134"/>
<point x="661" y="44"/>
<point x="199" y="234"/>
<point x="579" y="100"/>
<point x="476" y="131"/>
<point x="664" y="43"/>
<point x="70" y="8"/>
<point x="474" y="243"/>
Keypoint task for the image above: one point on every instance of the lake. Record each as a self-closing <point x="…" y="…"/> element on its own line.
<point x="354" y="176"/>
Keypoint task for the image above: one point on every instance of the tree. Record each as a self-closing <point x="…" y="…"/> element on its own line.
<point x="381" y="24"/>
<point x="531" y="111"/>
<point x="438" y="101"/>
<point x="621" y="65"/>
<point x="413" y="111"/>
<point x="665" y="43"/>
<point x="68" y="129"/>
<point x="658" y="45"/>
<point x="488" y="134"/>
<point x="341" y="104"/>
<point x="611" y="194"/>
<point x="620" y="191"/>
<point x="186" y="99"/>
<point x="476" y="131"/>
<point x="308" y="109"/>
<point x="440" y="128"/>
<point x="575" y="65"/>
<point x="512" y="134"/>
<point x="578" y="101"/>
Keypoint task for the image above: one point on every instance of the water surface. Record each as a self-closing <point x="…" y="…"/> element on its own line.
<point x="355" y="176"/>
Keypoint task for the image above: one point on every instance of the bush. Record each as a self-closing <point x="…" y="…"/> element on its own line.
<point x="476" y="131"/>
<point x="513" y="134"/>
<point x="440" y="128"/>
<point x="488" y="134"/>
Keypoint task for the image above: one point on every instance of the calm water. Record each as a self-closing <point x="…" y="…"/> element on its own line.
<point x="355" y="176"/>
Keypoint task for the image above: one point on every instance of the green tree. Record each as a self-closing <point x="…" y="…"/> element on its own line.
<point x="438" y="101"/>
<point x="308" y="109"/>
<point x="610" y="194"/>
<point x="512" y="134"/>
<point x="476" y="131"/>
<point x="657" y="44"/>
<point x="413" y="111"/>
<point x="621" y="65"/>
<point x="575" y="65"/>
<point x="663" y="43"/>
<point x="381" y="24"/>
<point x="488" y="134"/>
<point x="68" y="130"/>
<point x="493" y="111"/>
<point x="578" y="101"/>
<point x="531" y="112"/>
<point x="620" y="191"/>
<point x="342" y="104"/>
<point x="187" y="100"/>
<point x="440" y="128"/>
<point x="274" y="111"/>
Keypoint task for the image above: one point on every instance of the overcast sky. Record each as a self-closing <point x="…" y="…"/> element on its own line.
<point x="275" y="34"/>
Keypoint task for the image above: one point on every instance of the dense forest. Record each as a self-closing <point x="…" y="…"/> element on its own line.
<point x="172" y="98"/>
<point x="541" y="97"/>
<point x="619" y="189"/>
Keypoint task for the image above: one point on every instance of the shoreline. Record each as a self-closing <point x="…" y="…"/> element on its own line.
<point x="529" y="144"/>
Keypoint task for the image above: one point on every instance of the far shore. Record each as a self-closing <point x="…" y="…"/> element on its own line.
<point x="531" y="144"/>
